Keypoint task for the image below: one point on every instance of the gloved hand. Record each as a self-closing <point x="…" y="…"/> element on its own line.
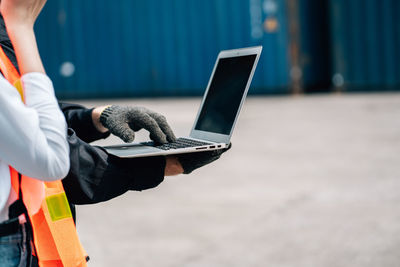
<point x="125" y="121"/>
<point x="192" y="161"/>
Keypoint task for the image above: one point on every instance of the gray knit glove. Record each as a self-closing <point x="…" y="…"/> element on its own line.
<point x="192" y="161"/>
<point x="125" y="121"/>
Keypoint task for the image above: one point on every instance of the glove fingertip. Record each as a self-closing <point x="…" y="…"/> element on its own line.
<point x="171" y="139"/>
<point x="127" y="139"/>
<point x="127" y="136"/>
<point x="158" y="139"/>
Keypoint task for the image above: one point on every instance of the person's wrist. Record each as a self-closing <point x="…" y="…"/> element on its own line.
<point x="16" y="25"/>
<point x="172" y="166"/>
<point x="96" y="113"/>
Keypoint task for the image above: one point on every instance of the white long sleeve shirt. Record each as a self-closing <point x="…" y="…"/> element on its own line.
<point x="32" y="136"/>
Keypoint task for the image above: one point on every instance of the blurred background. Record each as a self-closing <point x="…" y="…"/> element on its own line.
<point x="129" y="48"/>
<point x="312" y="179"/>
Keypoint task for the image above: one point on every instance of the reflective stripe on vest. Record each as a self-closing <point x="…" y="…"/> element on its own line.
<point x="55" y="238"/>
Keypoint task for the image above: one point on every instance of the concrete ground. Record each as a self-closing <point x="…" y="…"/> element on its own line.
<point x="310" y="181"/>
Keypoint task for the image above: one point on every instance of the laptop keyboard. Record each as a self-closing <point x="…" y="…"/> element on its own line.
<point x="179" y="143"/>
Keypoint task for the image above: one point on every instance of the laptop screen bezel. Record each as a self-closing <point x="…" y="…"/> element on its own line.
<point x="217" y="137"/>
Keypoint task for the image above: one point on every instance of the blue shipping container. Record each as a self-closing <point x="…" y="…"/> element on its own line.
<point x="365" y="38"/>
<point x="98" y="48"/>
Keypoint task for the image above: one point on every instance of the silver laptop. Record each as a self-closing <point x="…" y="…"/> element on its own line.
<point x="219" y="110"/>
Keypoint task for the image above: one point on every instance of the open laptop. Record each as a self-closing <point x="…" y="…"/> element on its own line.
<point x="219" y="110"/>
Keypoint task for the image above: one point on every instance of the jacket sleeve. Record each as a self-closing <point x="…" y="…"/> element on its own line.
<point x="79" y="118"/>
<point x="33" y="135"/>
<point x="97" y="176"/>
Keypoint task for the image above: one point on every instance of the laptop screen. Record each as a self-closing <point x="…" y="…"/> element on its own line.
<point x="225" y="94"/>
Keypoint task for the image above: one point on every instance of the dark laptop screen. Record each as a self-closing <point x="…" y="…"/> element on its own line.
<point x="225" y="94"/>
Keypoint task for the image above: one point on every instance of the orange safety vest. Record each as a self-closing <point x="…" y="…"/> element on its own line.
<point x="55" y="239"/>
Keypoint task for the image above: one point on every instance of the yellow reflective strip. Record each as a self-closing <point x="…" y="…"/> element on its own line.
<point x="18" y="85"/>
<point x="58" y="207"/>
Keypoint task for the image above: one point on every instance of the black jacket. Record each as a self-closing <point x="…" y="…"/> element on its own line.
<point x="95" y="175"/>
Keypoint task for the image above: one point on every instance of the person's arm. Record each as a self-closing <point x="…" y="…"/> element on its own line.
<point x="33" y="139"/>
<point x="97" y="176"/>
<point x="87" y="126"/>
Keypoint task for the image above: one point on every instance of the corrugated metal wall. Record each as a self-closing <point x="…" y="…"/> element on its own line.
<point x="365" y="38"/>
<point x="96" y="48"/>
